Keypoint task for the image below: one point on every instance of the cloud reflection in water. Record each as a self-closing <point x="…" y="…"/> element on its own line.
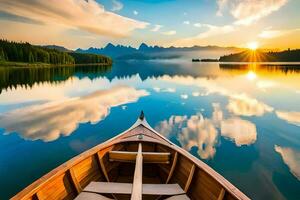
<point x="50" y="120"/>
<point x="202" y="132"/>
<point x="242" y="132"/>
<point x="291" y="158"/>
<point x="244" y="106"/>
<point x="290" y="117"/>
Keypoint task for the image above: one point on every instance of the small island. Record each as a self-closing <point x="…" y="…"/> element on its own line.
<point x="261" y="56"/>
<point x="209" y="60"/>
<point x="196" y="60"/>
<point x="205" y="60"/>
<point x="21" y="54"/>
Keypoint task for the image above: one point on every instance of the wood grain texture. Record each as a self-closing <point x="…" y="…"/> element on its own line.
<point x="190" y="178"/>
<point x="173" y="167"/>
<point x="87" y="171"/>
<point x="148" y="157"/>
<point x="59" y="188"/>
<point x="222" y="194"/>
<point x="137" y="188"/>
<point x="102" y="166"/>
<point x="74" y="181"/>
<point x="204" y="184"/>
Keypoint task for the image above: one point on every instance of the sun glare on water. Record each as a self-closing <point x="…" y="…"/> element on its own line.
<point x="251" y="75"/>
<point x="252" y="45"/>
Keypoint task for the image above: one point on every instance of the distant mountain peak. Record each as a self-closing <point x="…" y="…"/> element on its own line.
<point x="109" y="45"/>
<point x="145" y="51"/>
<point x="143" y="46"/>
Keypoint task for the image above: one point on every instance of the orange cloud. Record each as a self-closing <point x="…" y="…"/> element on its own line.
<point x="291" y="158"/>
<point x="247" y="12"/>
<point x="242" y="132"/>
<point x="87" y="16"/>
<point x="290" y="117"/>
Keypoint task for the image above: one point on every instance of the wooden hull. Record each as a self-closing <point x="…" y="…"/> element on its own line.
<point x="197" y="179"/>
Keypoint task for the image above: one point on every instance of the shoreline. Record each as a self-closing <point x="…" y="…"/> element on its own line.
<point x="28" y="65"/>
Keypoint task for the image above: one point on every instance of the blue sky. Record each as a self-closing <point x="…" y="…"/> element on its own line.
<point x="80" y="23"/>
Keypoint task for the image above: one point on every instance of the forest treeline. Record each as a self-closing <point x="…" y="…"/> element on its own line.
<point x="27" y="53"/>
<point x="259" y="56"/>
<point x="29" y="76"/>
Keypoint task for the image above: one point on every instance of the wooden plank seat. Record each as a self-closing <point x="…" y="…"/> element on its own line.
<point x="126" y="188"/>
<point x="178" y="197"/>
<point x="148" y="157"/>
<point x="95" y="196"/>
<point x="108" y="188"/>
<point x="91" y="196"/>
<point x="137" y="188"/>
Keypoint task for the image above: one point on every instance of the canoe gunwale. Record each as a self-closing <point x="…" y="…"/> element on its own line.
<point x="33" y="188"/>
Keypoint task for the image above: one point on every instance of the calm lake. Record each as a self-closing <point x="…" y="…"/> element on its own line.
<point x="242" y="120"/>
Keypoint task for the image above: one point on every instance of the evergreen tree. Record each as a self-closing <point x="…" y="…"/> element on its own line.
<point x="2" y="55"/>
<point x="31" y="58"/>
<point x="24" y="52"/>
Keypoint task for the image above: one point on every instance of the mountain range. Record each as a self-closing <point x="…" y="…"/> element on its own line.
<point x="144" y="52"/>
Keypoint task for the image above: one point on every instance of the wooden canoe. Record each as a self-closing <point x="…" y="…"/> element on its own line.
<point x="137" y="164"/>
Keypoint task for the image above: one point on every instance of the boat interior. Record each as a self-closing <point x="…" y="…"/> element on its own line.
<point x="139" y="164"/>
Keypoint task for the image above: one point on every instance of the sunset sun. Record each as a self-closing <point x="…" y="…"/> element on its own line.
<point x="252" y="45"/>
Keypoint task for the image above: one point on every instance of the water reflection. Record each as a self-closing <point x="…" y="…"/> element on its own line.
<point x="242" y="132"/>
<point x="194" y="131"/>
<point x="12" y="77"/>
<point x="245" y="106"/>
<point x="290" y="117"/>
<point x="291" y="158"/>
<point x="198" y="131"/>
<point x="48" y="121"/>
<point x="232" y="117"/>
<point x="276" y="67"/>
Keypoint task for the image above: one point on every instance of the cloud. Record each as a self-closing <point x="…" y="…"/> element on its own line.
<point x="199" y="132"/>
<point x="203" y="132"/>
<point x="217" y="115"/>
<point x="49" y="121"/>
<point x="264" y="84"/>
<point x="135" y="12"/>
<point x="214" y="30"/>
<point x="241" y="102"/>
<point x="290" y="117"/>
<point x="186" y="22"/>
<point x="116" y="5"/>
<point x="195" y="131"/>
<point x="11" y="17"/>
<point x="88" y="16"/>
<point x="156" y="28"/>
<point x="248" y="11"/>
<point x="172" y="32"/>
<point x="196" y="94"/>
<point x="170" y="90"/>
<point x="291" y="158"/>
<point x="157" y="89"/>
<point x="221" y="6"/>
<point x="184" y="96"/>
<point x="245" y="106"/>
<point x="267" y="34"/>
<point x="211" y="31"/>
<point x="242" y="132"/>
<point x="198" y="25"/>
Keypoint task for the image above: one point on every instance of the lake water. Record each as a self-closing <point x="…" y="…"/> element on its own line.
<point x="242" y="120"/>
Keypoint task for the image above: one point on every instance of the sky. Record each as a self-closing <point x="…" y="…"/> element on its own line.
<point x="94" y="23"/>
